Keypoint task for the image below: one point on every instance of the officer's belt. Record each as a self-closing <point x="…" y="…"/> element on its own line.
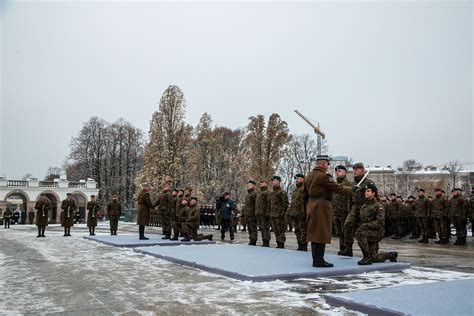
<point x="315" y="197"/>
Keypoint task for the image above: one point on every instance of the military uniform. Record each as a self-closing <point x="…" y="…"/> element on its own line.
<point x="114" y="210"/>
<point x="458" y="213"/>
<point x="249" y="212"/>
<point x="371" y="231"/>
<point x="298" y="217"/>
<point x="7" y="215"/>
<point x="143" y="216"/>
<point x="422" y="211"/>
<point x="341" y="206"/>
<point x="67" y="220"/>
<point x="227" y="210"/>
<point x="412" y="225"/>
<point x="394" y="217"/>
<point x="262" y="213"/>
<point x="439" y="209"/>
<point x="31" y="217"/>
<point x="93" y="208"/>
<point x="278" y="208"/>
<point x="165" y="204"/>
<point x="174" y="222"/>
<point x="471" y="213"/>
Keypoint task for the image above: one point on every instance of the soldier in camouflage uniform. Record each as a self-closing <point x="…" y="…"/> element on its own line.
<point x="69" y="207"/>
<point x="439" y="209"/>
<point x="177" y="229"/>
<point x="471" y="213"/>
<point x="7" y="215"/>
<point x="422" y="213"/>
<point x="412" y="225"/>
<point x="458" y="211"/>
<point x="93" y="208"/>
<point x="42" y="207"/>
<point x="297" y="214"/>
<point x="165" y="204"/>
<point x="371" y="229"/>
<point x="114" y="210"/>
<point x="262" y="204"/>
<point x="278" y="208"/>
<point x="192" y="223"/>
<point x="31" y="216"/>
<point x="393" y="215"/>
<point x="341" y="206"/>
<point x="358" y="199"/>
<point x="249" y="212"/>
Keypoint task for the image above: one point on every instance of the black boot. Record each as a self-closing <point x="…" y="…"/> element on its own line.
<point x="142" y="233"/>
<point x="304" y="247"/>
<point x="346" y="252"/>
<point x="392" y="256"/>
<point x="365" y="261"/>
<point x="65" y="232"/>
<point x="42" y="231"/>
<point x="166" y="237"/>
<point x="266" y="243"/>
<point x="252" y="242"/>
<point x="280" y="245"/>
<point x="299" y="247"/>
<point x="39" y="232"/>
<point x="209" y="237"/>
<point x="317" y="250"/>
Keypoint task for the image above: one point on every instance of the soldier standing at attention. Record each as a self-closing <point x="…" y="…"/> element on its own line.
<point x="394" y="212"/>
<point x="172" y="211"/>
<point x="31" y="216"/>
<point x="262" y="204"/>
<point x="341" y="205"/>
<point x="7" y="217"/>
<point x="93" y="208"/>
<point x="228" y="208"/>
<point x="278" y="208"/>
<point x="371" y="229"/>
<point x="144" y="207"/>
<point x="165" y="204"/>
<point x="422" y="212"/>
<point x="317" y="195"/>
<point x="42" y="206"/>
<point x="114" y="210"/>
<point x="438" y="212"/>
<point x="249" y="212"/>
<point x="358" y="199"/>
<point x="69" y="207"/>
<point x="298" y="216"/>
<point x="458" y="208"/>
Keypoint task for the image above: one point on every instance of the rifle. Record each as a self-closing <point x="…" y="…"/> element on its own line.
<point x="44" y="215"/>
<point x="68" y="211"/>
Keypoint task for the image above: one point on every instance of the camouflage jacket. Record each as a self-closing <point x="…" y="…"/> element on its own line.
<point x="194" y="215"/>
<point x="393" y="210"/>
<point x="296" y="209"/>
<point x="278" y="202"/>
<point x="458" y="207"/>
<point x="358" y="197"/>
<point x="372" y="216"/>
<point x="262" y="203"/>
<point x="422" y="207"/>
<point x="439" y="207"/>
<point x="341" y="204"/>
<point x="250" y="199"/>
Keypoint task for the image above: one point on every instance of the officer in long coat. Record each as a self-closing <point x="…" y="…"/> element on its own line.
<point x="7" y="215"/>
<point x="69" y="207"/>
<point x="93" y="208"/>
<point x="144" y="207"/>
<point x="42" y="206"/>
<point x="319" y="188"/>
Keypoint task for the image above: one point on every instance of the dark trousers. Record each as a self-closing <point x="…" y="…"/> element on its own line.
<point x="7" y="222"/>
<point x="113" y="224"/>
<point x="227" y="223"/>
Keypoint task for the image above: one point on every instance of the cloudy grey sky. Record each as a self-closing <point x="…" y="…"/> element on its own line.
<point x="387" y="81"/>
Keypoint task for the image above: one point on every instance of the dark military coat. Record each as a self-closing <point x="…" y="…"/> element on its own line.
<point x="93" y="208"/>
<point x="318" y="191"/>
<point x="7" y="214"/>
<point x="43" y="205"/>
<point x="69" y="207"/>
<point x="296" y="209"/>
<point x="341" y="203"/>
<point x="144" y="207"/>
<point x="250" y="199"/>
<point x="262" y="203"/>
<point x="278" y="203"/>
<point x="439" y="207"/>
<point x="114" y="208"/>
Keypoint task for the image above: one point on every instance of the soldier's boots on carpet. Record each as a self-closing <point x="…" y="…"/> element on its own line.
<point x="280" y="245"/>
<point x="317" y="251"/>
<point x="392" y="256"/>
<point x="166" y="237"/>
<point x="266" y="243"/>
<point x="252" y="243"/>
<point x="347" y="252"/>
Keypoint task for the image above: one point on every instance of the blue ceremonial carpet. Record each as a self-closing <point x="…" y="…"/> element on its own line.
<point x="439" y="298"/>
<point x="262" y="264"/>
<point x="133" y="241"/>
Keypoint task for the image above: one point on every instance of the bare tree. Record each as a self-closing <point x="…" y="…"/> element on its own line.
<point x="453" y="168"/>
<point x="409" y="167"/>
<point x="52" y="173"/>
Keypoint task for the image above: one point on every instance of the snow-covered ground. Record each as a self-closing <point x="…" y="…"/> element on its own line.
<point x="71" y="274"/>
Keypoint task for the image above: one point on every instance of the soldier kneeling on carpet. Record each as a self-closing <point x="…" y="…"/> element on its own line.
<point x="192" y="223"/>
<point x="371" y="229"/>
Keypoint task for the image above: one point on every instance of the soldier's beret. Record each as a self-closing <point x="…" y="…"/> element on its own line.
<point x="92" y="195"/>
<point x="299" y="175"/>
<point x="340" y="167"/>
<point x="430" y="197"/>
<point x="372" y="187"/>
<point x="276" y="178"/>
<point x="68" y="194"/>
<point x="393" y="194"/>
<point x="437" y="189"/>
<point x="443" y="191"/>
<point x="421" y="190"/>
<point x="399" y="196"/>
<point x="175" y="190"/>
<point x="358" y="165"/>
<point x="264" y="180"/>
<point x="194" y="198"/>
<point x="323" y="157"/>
<point x="180" y="190"/>
<point x="252" y="181"/>
<point x="453" y="190"/>
<point x="411" y="197"/>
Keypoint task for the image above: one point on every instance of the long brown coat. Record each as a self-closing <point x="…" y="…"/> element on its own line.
<point x="144" y="206"/>
<point x="69" y="207"/>
<point x="43" y="205"/>
<point x="317" y="195"/>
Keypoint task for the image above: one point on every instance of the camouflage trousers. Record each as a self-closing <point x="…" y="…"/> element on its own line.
<point x="299" y="223"/>
<point x="177" y="228"/>
<point x="167" y="224"/>
<point x="460" y="225"/>
<point x="424" y="224"/>
<point x="368" y="241"/>
<point x="440" y="226"/>
<point x="252" y="227"/>
<point x="339" y="230"/>
<point x="350" y="226"/>
<point x="279" y="225"/>
<point x="263" y="223"/>
<point x="190" y="230"/>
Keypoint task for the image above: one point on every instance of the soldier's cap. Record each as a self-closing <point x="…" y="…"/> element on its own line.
<point x="299" y="175"/>
<point x="430" y="197"/>
<point x="399" y="196"/>
<point x="411" y="197"/>
<point x="92" y="195"/>
<point x="372" y="187"/>
<point x="456" y="189"/>
<point x="175" y="190"/>
<point x="323" y="157"/>
<point x="264" y="180"/>
<point x="421" y="190"/>
<point x="194" y="198"/>
<point x="276" y="178"/>
<point x="438" y="189"/>
<point x="68" y="194"/>
<point x="340" y="167"/>
<point x="358" y="165"/>
<point x="252" y="181"/>
<point x="393" y="194"/>
<point x="443" y="191"/>
<point x="180" y="190"/>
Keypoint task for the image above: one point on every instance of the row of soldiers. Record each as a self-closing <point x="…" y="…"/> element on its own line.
<point x="426" y="217"/>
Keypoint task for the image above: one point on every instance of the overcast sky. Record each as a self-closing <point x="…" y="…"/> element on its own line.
<point x="386" y="81"/>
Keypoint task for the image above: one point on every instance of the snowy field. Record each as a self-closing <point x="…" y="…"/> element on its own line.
<point x="73" y="275"/>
